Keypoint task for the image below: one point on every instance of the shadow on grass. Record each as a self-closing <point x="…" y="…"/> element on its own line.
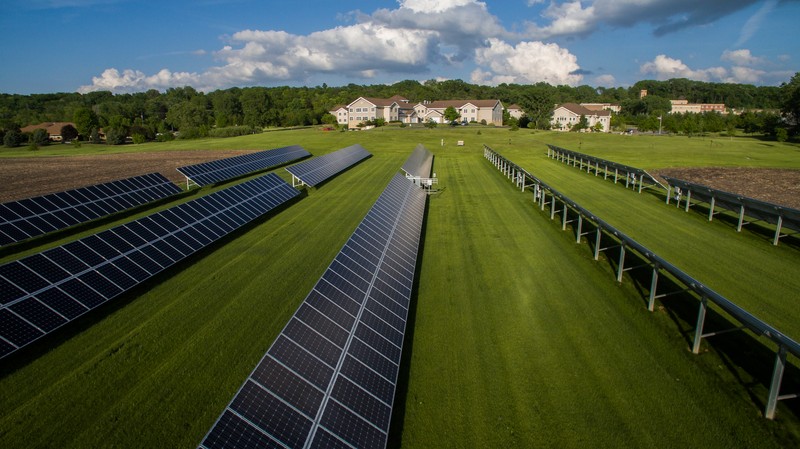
<point x="54" y="339"/>
<point x="395" y="437"/>
<point x="749" y="359"/>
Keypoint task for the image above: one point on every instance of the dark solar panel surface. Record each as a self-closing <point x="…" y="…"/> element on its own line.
<point x="419" y="163"/>
<point x="224" y="169"/>
<point x="319" y="169"/>
<point x="41" y="292"/>
<point x="31" y="217"/>
<point x="329" y="378"/>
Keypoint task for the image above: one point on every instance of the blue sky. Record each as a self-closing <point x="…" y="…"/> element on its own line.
<point x="131" y="46"/>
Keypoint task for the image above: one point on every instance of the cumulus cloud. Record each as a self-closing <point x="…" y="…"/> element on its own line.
<point x="605" y="80"/>
<point x="741" y="57"/>
<point x="581" y="18"/>
<point x="527" y="62"/>
<point x="413" y="38"/>
<point x="664" y="67"/>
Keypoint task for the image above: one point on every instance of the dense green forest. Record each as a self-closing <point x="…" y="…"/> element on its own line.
<point x="157" y="115"/>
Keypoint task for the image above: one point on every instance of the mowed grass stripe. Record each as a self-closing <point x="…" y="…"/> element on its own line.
<point x="521" y="340"/>
<point x="743" y="267"/>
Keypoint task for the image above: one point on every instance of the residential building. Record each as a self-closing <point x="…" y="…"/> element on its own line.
<point x="52" y="128"/>
<point x="398" y="108"/>
<point x="470" y="110"/>
<point x="567" y="115"/>
<point x="613" y="107"/>
<point x="515" y="111"/>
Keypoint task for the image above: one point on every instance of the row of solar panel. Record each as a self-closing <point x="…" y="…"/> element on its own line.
<point x="419" y="163"/>
<point x="23" y="219"/>
<point x="329" y="378"/>
<point x="625" y="170"/>
<point x="224" y="169"/>
<point x="40" y="293"/>
<point x="315" y="171"/>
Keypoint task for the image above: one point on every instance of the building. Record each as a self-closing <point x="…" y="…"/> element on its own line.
<point x="399" y="109"/>
<point x="53" y="129"/>
<point x="613" y="107"/>
<point x="567" y="115"/>
<point x="470" y="111"/>
<point x="515" y="111"/>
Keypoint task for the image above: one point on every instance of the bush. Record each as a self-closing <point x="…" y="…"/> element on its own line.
<point x="165" y="137"/>
<point x="115" y="136"/>
<point x="12" y="139"/>
<point x="40" y="137"/>
<point x="781" y="135"/>
<point x="233" y="131"/>
<point x="138" y="138"/>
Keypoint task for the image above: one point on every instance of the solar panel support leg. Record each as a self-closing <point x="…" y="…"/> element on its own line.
<point x="698" y="331"/>
<point x="553" y="207"/>
<point x="640" y="183"/>
<point x="621" y="267"/>
<point x="778" y="230"/>
<point x="597" y="169"/>
<point x="564" y="218"/>
<point x="616" y="175"/>
<point x="627" y="180"/>
<point x="597" y="243"/>
<point x="711" y="209"/>
<point x="669" y="193"/>
<point x="580" y="225"/>
<point x="688" y="199"/>
<point x="653" y="286"/>
<point x="605" y="172"/>
<point x="775" y="384"/>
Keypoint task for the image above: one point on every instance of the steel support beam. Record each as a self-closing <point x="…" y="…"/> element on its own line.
<point x="701" y="319"/>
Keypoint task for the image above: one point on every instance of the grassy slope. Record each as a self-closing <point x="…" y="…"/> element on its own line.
<point x="520" y="338"/>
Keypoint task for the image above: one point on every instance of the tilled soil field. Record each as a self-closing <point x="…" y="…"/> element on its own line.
<point x="776" y="186"/>
<point x="28" y="177"/>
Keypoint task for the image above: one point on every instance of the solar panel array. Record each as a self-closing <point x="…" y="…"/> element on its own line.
<point x="610" y="168"/>
<point x="229" y="168"/>
<point x="419" y="163"/>
<point x="42" y="292"/>
<point x="329" y="378"/>
<point x="319" y="169"/>
<point x="31" y="217"/>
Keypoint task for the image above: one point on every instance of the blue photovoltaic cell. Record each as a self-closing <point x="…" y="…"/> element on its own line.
<point x="20" y="220"/>
<point x="419" y="163"/>
<point x="319" y="169"/>
<point x="224" y="169"/>
<point x="334" y="366"/>
<point x="40" y="293"/>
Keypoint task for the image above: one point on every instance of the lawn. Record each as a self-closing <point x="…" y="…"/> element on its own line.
<point x="518" y="338"/>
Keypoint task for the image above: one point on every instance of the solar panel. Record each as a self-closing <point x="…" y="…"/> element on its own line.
<point x="329" y="378"/>
<point x="31" y="217"/>
<point x="224" y="169"/>
<point x="42" y="292"/>
<point x="609" y="168"/>
<point x="419" y="163"/>
<point x="320" y="169"/>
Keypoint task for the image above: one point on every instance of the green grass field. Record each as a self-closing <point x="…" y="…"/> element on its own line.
<point x="519" y="338"/>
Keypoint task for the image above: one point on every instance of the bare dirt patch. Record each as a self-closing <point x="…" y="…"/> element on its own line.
<point x="778" y="186"/>
<point x="29" y="177"/>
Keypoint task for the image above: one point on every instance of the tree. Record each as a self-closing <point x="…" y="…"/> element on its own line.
<point x="68" y="133"/>
<point x="583" y="123"/>
<point x="40" y="137"/>
<point x="13" y="138"/>
<point x="85" y="119"/>
<point x="431" y="123"/>
<point x="790" y="108"/>
<point x="537" y="102"/>
<point x="451" y="114"/>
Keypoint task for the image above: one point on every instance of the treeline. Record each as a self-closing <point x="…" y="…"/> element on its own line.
<point x="188" y="113"/>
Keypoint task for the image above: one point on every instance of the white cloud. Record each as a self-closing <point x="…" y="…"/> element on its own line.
<point x="664" y="67"/>
<point x="527" y="62"/>
<point x="745" y="75"/>
<point x="741" y="57"/>
<point x="605" y="80"/>
<point x="435" y="6"/>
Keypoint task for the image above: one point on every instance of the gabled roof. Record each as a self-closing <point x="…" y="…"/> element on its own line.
<point x="382" y="102"/>
<point x="514" y="106"/>
<point x="52" y="128"/>
<point x="338" y="107"/>
<point x="444" y="104"/>
<point x="580" y="110"/>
